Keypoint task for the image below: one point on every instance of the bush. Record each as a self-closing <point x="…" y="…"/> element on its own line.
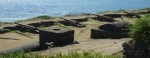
<point x="70" y="15"/>
<point x="44" y="17"/>
<point x="141" y="29"/>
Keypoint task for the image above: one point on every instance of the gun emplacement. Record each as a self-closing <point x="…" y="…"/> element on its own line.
<point x="131" y="14"/>
<point x="104" y="18"/>
<point x="27" y="26"/>
<point x="73" y="22"/>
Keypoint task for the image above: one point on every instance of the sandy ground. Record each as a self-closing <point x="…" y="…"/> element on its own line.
<point x="82" y="35"/>
<point x="12" y="39"/>
<point x="105" y="46"/>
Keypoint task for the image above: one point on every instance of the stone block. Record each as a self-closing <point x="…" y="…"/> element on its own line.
<point x="58" y="35"/>
<point x="97" y="34"/>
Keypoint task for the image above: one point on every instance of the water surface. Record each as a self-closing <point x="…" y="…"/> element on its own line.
<point x="13" y="10"/>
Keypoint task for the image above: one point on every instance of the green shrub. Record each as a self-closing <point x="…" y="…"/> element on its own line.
<point x="141" y="29"/>
<point x="44" y="17"/>
<point x="70" y="15"/>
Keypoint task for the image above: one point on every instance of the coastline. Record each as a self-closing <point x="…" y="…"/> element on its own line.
<point x="71" y="15"/>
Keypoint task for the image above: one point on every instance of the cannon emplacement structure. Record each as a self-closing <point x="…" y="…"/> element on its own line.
<point x="58" y="35"/>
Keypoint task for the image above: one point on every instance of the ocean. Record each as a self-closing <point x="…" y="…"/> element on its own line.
<point x="14" y="10"/>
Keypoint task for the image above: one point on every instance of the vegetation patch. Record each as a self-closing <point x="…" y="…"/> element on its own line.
<point x="70" y="15"/>
<point x="141" y="29"/>
<point x="75" y="54"/>
<point x="44" y="17"/>
<point x="4" y="23"/>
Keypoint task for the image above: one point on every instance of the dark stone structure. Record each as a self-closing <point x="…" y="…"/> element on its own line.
<point x="113" y="15"/>
<point x="44" y="24"/>
<point x="26" y="29"/>
<point x="97" y="33"/>
<point x="35" y="24"/>
<point x="47" y="23"/>
<point x="135" y="49"/>
<point x="145" y="12"/>
<point x="70" y="22"/>
<point x="19" y="28"/>
<point x="80" y="19"/>
<point x="58" y="35"/>
<point x="132" y="14"/>
<point x="118" y="26"/>
<point x="103" y="18"/>
<point x="32" y="27"/>
<point x="115" y="30"/>
<point x="3" y="31"/>
<point x="10" y="28"/>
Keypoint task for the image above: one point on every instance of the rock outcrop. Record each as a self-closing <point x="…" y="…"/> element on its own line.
<point x="135" y="49"/>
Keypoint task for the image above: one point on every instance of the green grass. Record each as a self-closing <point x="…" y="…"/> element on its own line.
<point x="44" y="17"/>
<point x="6" y="23"/>
<point x="75" y="54"/>
<point x="70" y="15"/>
<point x="146" y="16"/>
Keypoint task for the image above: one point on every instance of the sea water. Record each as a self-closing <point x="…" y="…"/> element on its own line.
<point x="13" y="10"/>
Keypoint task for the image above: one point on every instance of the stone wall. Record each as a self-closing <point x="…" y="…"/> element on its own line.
<point x="97" y="34"/>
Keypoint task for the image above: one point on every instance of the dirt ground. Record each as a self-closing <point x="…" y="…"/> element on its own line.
<point x="82" y="35"/>
<point x="105" y="46"/>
